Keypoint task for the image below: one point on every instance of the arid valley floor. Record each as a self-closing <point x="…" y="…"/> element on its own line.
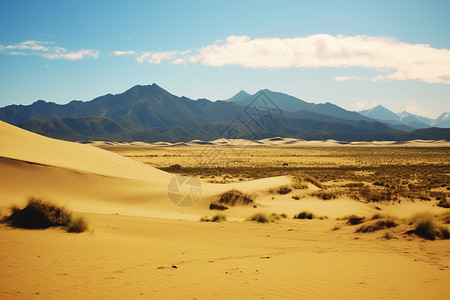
<point x="357" y="238"/>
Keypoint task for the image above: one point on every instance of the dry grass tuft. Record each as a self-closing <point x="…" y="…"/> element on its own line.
<point x="77" y="225"/>
<point x="425" y="226"/>
<point x="375" y="225"/>
<point x="354" y="220"/>
<point x="260" y="218"/>
<point x="326" y="195"/>
<point x="283" y="190"/>
<point x="305" y="215"/>
<point x="40" y="214"/>
<point x="235" y="197"/>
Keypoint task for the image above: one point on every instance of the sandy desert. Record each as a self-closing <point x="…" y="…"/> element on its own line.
<point x="141" y="244"/>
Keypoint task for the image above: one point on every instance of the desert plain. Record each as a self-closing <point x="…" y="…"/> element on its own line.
<point x="297" y="220"/>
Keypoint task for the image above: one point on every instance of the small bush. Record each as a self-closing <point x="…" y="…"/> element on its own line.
<point x="444" y="203"/>
<point x="235" y="197"/>
<point x="426" y="227"/>
<point x="77" y="225"/>
<point x="312" y="180"/>
<point x="326" y="195"/>
<point x="283" y="215"/>
<point x="304" y="215"/>
<point x="376" y="225"/>
<point x="260" y="218"/>
<point x="219" y="218"/>
<point x="38" y="214"/>
<point x="284" y="190"/>
<point x="355" y="220"/>
<point x="217" y="206"/>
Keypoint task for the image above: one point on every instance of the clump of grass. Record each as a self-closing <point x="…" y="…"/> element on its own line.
<point x="444" y="203"/>
<point x="305" y="215"/>
<point x="216" y="218"/>
<point x="376" y="225"/>
<point x="354" y="220"/>
<point x="426" y="227"/>
<point x="326" y="195"/>
<point x="284" y="190"/>
<point x="40" y="214"/>
<point x="217" y="206"/>
<point x="235" y="197"/>
<point x="388" y="235"/>
<point x="219" y="218"/>
<point x="260" y="218"/>
<point x="77" y="225"/>
<point x="275" y="216"/>
<point x="445" y="217"/>
<point x="312" y="180"/>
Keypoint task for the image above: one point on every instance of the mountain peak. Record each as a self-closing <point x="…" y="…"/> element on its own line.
<point x="241" y="95"/>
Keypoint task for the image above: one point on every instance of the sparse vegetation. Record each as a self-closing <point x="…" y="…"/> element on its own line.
<point x="236" y="197"/>
<point x="305" y="215"/>
<point x="354" y="220"/>
<point x="426" y="227"/>
<point x="260" y="218"/>
<point x="217" y="206"/>
<point x="77" y="225"/>
<point x="40" y="214"/>
<point x="219" y="218"/>
<point x="376" y="225"/>
<point x="284" y="190"/>
<point x="326" y="195"/>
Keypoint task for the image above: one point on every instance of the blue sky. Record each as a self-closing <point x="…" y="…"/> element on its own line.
<point x="356" y="54"/>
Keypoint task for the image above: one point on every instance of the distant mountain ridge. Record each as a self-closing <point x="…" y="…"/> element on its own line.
<point x="381" y="113"/>
<point x="150" y="113"/>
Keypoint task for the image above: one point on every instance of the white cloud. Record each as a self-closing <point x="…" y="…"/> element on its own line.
<point x="395" y="60"/>
<point x="344" y="78"/>
<point x="72" y="55"/>
<point x="156" y="57"/>
<point x="47" y="50"/>
<point x="120" y="53"/>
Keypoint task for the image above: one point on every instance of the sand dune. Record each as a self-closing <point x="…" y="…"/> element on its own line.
<point x="141" y="245"/>
<point x="291" y="142"/>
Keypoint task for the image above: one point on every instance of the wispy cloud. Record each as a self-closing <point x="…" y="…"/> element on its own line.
<point x="157" y="57"/>
<point x="394" y="60"/>
<point x="46" y="49"/>
<point x="121" y="53"/>
<point x="345" y="78"/>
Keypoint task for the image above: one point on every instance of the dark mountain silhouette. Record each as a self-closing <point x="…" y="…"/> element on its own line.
<point x="150" y="113"/>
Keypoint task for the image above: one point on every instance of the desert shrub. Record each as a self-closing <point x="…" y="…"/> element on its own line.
<point x="376" y="225"/>
<point x="219" y="218"/>
<point x="426" y="227"/>
<point x="304" y="215"/>
<point x="445" y="217"/>
<point x="217" y="206"/>
<point x="234" y="197"/>
<point x="355" y="220"/>
<point x="275" y="216"/>
<point x="77" y="225"/>
<point x="444" y="203"/>
<point x="326" y="195"/>
<point x="175" y="167"/>
<point x="205" y="219"/>
<point x="283" y="215"/>
<point x="284" y="190"/>
<point x="312" y="180"/>
<point x="260" y="218"/>
<point x="38" y="214"/>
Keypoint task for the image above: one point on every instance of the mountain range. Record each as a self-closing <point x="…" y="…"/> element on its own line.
<point x="150" y="113"/>
<point x="383" y="114"/>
